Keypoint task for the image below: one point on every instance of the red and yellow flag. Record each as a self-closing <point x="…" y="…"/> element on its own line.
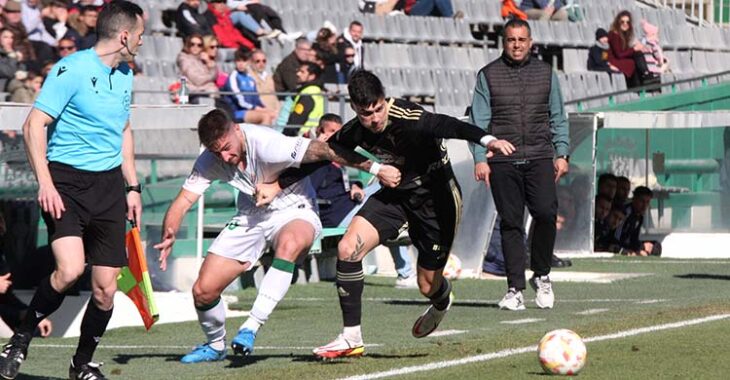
<point x="134" y="280"/>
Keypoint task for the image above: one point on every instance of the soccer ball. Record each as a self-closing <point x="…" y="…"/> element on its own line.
<point x="452" y="270"/>
<point x="562" y="352"/>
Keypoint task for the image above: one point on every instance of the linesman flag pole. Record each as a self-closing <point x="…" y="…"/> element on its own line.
<point x="134" y="280"/>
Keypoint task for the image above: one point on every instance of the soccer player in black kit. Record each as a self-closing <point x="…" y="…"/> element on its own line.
<point x="428" y="198"/>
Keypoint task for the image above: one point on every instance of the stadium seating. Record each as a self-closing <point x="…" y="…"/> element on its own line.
<point x="437" y="59"/>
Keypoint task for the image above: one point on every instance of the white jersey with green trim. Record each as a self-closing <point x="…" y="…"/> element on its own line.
<point x="268" y="153"/>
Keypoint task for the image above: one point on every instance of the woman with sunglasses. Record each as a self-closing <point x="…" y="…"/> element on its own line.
<point x="211" y="46"/>
<point x="198" y="67"/>
<point x="264" y="80"/>
<point x="625" y="51"/>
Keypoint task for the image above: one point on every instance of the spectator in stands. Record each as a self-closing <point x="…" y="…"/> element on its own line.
<point x="606" y="240"/>
<point x="623" y="189"/>
<point x="11" y="19"/>
<point x="190" y="20"/>
<point x="385" y="7"/>
<point x="197" y="67"/>
<point x="31" y="15"/>
<point x="656" y="63"/>
<point x="26" y="90"/>
<point x="10" y="59"/>
<point x="210" y="48"/>
<point x="507" y="105"/>
<point x="598" y="54"/>
<point x="309" y="102"/>
<point x="245" y="102"/>
<point x="331" y="182"/>
<point x="47" y="66"/>
<point x="66" y="47"/>
<point x="87" y="27"/>
<point x="241" y="18"/>
<point x="600" y="223"/>
<point x="510" y="10"/>
<point x="56" y="21"/>
<point x="442" y="8"/>
<point x="285" y="76"/>
<point x="625" y="51"/>
<point x="251" y="14"/>
<point x="544" y="10"/>
<point x="628" y="232"/>
<point x="266" y="15"/>
<point x="347" y="66"/>
<point x="607" y="185"/>
<point x="352" y="37"/>
<point x="325" y="46"/>
<point x="264" y="80"/>
<point x="223" y="28"/>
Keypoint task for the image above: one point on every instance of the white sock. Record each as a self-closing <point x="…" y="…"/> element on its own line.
<point x="273" y="288"/>
<point x="352" y="333"/>
<point x="250" y="324"/>
<point x="212" y="320"/>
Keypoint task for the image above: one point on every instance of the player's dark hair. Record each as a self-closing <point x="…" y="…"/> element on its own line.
<point x="330" y="117"/>
<point x="242" y="54"/>
<point x="313" y="68"/>
<point x="643" y="190"/>
<point x="606" y="177"/>
<point x="516" y="23"/>
<point x="117" y="16"/>
<point x="365" y="88"/>
<point x="212" y="126"/>
<point x="603" y="197"/>
<point x="623" y="179"/>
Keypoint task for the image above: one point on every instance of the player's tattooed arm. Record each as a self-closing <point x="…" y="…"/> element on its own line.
<point x="322" y="151"/>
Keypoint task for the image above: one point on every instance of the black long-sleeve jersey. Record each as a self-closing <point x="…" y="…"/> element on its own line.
<point x="412" y="140"/>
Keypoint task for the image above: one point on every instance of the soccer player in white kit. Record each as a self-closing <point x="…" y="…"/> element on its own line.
<point x="243" y="156"/>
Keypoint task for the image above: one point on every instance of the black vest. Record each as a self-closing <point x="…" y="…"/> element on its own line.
<point x="519" y="98"/>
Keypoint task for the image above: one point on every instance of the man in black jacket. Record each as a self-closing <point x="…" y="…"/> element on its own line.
<point x="518" y="99"/>
<point x="190" y="21"/>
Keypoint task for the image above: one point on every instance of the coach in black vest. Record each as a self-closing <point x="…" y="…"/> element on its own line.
<point x="518" y="98"/>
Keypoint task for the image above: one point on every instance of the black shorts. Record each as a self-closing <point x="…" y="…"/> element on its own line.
<point x="95" y="211"/>
<point x="433" y="213"/>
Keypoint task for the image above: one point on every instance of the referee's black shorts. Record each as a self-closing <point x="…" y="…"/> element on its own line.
<point x="95" y="211"/>
<point x="432" y="211"/>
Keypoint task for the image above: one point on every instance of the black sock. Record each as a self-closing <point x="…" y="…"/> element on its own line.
<point x="350" y="282"/>
<point x="440" y="299"/>
<point x="45" y="301"/>
<point x="92" y="329"/>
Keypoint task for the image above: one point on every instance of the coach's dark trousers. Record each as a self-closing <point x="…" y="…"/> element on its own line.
<point x="514" y="186"/>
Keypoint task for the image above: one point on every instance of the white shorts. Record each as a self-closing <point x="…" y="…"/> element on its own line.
<point x="246" y="237"/>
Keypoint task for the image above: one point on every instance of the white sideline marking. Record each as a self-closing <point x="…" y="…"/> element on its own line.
<point x="533" y="348"/>
<point x="424" y="301"/>
<point x="447" y="332"/>
<point x="647" y="302"/>
<point x="591" y="311"/>
<point x="521" y="321"/>
<point x="663" y="261"/>
<point x="182" y="347"/>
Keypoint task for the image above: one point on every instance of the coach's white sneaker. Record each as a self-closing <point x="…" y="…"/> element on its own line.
<point x="513" y="300"/>
<point x="544" y="298"/>
<point x="340" y="348"/>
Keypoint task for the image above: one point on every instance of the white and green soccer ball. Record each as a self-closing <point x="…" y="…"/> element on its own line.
<point x="562" y="352"/>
